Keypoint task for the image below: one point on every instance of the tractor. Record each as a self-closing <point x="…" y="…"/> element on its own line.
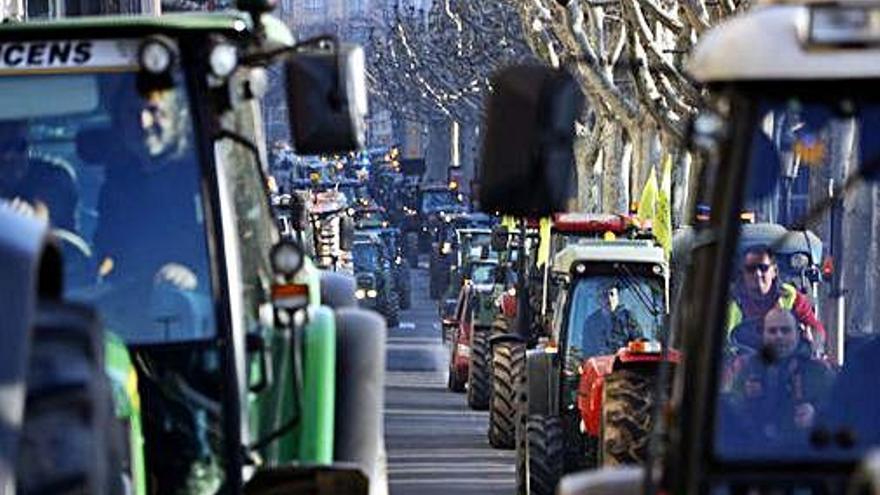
<point x="375" y="276"/>
<point x="146" y="168"/>
<point x="607" y="327"/>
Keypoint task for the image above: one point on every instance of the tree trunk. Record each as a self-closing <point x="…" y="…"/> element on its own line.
<point x="617" y="151"/>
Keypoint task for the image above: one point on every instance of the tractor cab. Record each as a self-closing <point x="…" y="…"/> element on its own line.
<point x="138" y="139"/>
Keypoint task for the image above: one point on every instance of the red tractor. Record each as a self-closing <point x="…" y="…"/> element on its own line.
<point x="590" y="389"/>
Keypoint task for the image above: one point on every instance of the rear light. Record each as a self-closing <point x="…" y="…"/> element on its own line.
<point x="290" y="296"/>
<point x="587" y="223"/>
<point x="645" y="347"/>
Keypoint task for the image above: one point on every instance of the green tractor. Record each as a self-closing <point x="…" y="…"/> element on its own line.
<point x="137" y="144"/>
<point x="376" y="286"/>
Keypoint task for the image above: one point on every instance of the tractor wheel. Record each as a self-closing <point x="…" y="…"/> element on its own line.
<point x="337" y="290"/>
<point x="544" y="454"/>
<point x="360" y="374"/>
<point x="454" y="383"/>
<point x="479" y="386"/>
<point x="508" y="372"/>
<point x="521" y="439"/>
<point x="405" y="288"/>
<point x="627" y="417"/>
<point x="69" y="434"/>
<point x="439" y="276"/>
<point x="433" y="279"/>
<point x="412" y="249"/>
<point x="392" y="309"/>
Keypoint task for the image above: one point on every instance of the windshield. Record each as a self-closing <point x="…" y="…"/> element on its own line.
<point x="608" y="311"/>
<point x="116" y="175"/>
<point x="434" y="201"/>
<point x="366" y="257"/>
<point x="800" y="358"/>
<point x="483" y="273"/>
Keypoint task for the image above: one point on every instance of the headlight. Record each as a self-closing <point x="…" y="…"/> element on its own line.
<point x="372" y="293"/>
<point x="360" y="293"/>
<point x="287" y="258"/>
<point x="223" y="59"/>
<point x="446" y="248"/>
<point x="155" y="56"/>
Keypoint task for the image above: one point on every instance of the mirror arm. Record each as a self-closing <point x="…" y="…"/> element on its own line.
<point x="268" y="57"/>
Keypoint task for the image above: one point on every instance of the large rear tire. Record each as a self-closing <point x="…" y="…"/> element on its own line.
<point x="69" y="433"/>
<point x="479" y="387"/>
<point x="360" y="377"/>
<point x="508" y="371"/>
<point x="544" y="453"/>
<point x="521" y="437"/>
<point x="627" y="417"/>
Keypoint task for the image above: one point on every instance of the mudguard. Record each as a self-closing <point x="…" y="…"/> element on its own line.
<point x="590" y="386"/>
<point x="319" y="388"/>
<point x="542" y="367"/>
<point x="22" y="243"/>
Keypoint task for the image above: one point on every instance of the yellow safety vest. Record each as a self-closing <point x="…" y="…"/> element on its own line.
<point x="786" y="301"/>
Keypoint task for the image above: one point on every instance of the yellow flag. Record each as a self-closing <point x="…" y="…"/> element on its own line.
<point x="648" y="201"/>
<point x="544" y="245"/>
<point x="663" y="212"/>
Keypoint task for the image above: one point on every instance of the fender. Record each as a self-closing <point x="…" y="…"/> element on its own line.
<point x="29" y="267"/>
<point x="542" y="368"/>
<point x="508" y="305"/>
<point x="590" y="388"/>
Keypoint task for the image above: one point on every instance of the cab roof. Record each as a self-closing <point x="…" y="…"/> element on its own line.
<point x="231" y="23"/>
<point x="769" y="43"/>
<point x="600" y="251"/>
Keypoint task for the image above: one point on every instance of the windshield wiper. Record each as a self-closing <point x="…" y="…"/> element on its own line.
<point x="626" y="275"/>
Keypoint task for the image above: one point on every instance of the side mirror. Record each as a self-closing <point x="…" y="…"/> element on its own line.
<point x="528" y="151"/>
<point x="327" y="97"/>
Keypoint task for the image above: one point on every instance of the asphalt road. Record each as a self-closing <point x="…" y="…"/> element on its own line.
<point x="435" y="443"/>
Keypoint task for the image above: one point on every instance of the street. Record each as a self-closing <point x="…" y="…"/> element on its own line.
<point x="435" y="443"/>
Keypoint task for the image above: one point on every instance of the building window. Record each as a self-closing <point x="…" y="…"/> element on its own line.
<point x="357" y="6"/>
<point x="314" y="4"/>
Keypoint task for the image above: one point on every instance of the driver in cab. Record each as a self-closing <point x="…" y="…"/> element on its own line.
<point x="778" y="391"/>
<point x="758" y="291"/>
<point x="611" y="326"/>
<point x="149" y="214"/>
